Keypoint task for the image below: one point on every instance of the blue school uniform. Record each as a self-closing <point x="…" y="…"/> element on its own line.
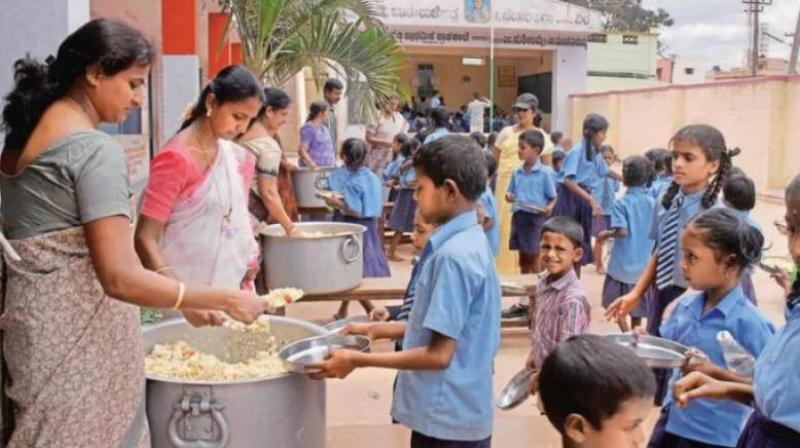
<point x="608" y="194"/>
<point x="630" y="255"/>
<point x="458" y="296"/>
<point x="435" y="135"/>
<point x="493" y="233"/>
<point x="703" y="420"/>
<point x="402" y="216"/>
<point x="363" y="195"/>
<point x="536" y="186"/>
<point x="660" y="186"/>
<point x="776" y="381"/>
<point x="588" y="174"/>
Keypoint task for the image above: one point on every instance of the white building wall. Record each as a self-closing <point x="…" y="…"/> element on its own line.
<point x="569" y="77"/>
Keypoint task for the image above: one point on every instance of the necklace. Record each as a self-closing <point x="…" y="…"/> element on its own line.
<point x="206" y="153"/>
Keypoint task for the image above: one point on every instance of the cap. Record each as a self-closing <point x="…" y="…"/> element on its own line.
<point x="527" y="101"/>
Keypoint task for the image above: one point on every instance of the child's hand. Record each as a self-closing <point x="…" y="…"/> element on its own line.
<point x="379" y="314"/>
<point x="510" y="197"/>
<point x="700" y="364"/>
<point x="597" y="209"/>
<point x="360" y="329"/>
<point x="548" y="211"/>
<point x="339" y="365"/>
<point x="622" y="307"/>
<point x="698" y="385"/>
<point x="529" y="362"/>
<point x="533" y="385"/>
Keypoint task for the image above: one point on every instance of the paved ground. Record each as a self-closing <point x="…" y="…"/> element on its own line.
<point x="358" y="407"/>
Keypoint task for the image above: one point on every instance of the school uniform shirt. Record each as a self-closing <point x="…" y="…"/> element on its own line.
<point x="562" y="310"/>
<point x="436" y="135"/>
<point x="362" y="190"/>
<point x="692" y="205"/>
<point x="709" y="421"/>
<point x="406" y="180"/>
<point x="660" y="186"/>
<point x="493" y="234"/>
<point x="629" y="255"/>
<point x="588" y="174"/>
<point x="457" y="296"/>
<point x="608" y="194"/>
<point x="536" y="186"/>
<point x="776" y="381"/>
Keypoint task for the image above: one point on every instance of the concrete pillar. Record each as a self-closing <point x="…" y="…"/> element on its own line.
<point x="569" y="77"/>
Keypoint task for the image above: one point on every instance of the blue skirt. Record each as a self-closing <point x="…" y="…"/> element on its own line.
<point x="613" y="289"/>
<point x="375" y="264"/>
<point x="402" y="217"/>
<point x="565" y="204"/>
<point x="582" y="213"/>
<point x="761" y="432"/>
<point x="600" y="223"/>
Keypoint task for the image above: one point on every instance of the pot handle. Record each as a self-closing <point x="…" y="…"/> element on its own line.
<point x="321" y="182"/>
<point x="351" y="249"/>
<point x="188" y="407"/>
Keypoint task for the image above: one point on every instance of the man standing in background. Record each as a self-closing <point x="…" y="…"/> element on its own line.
<point x="476" y="110"/>
<point x="333" y="93"/>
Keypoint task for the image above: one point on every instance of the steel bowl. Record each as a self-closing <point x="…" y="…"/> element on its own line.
<point x="516" y="391"/>
<point x="656" y="352"/>
<point x="337" y="325"/>
<point x="299" y="356"/>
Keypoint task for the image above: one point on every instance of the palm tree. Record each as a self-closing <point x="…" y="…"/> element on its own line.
<point x="281" y="37"/>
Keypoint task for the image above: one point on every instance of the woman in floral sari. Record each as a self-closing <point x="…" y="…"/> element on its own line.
<point x="71" y="336"/>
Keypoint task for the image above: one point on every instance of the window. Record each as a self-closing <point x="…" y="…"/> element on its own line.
<point x="689" y="70"/>
<point x="630" y="40"/>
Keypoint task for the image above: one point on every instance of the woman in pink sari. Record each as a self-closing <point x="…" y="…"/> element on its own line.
<point x="195" y="224"/>
<point x="72" y="342"/>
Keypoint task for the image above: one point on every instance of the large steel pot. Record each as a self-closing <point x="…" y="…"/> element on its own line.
<point x="286" y="411"/>
<point x="306" y="183"/>
<point x="319" y="265"/>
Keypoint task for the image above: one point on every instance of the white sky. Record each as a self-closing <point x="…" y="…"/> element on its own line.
<point x="714" y="32"/>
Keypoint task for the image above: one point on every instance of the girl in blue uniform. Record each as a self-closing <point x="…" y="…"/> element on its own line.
<point x="701" y="162"/>
<point x="607" y="197"/>
<point x="401" y="174"/>
<point x="662" y="164"/>
<point x="360" y="202"/>
<point x="774" y="391"/>
<point x="717" y="247"/>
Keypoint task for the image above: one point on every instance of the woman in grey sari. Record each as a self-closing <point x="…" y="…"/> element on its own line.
<point x="70" y="324"/>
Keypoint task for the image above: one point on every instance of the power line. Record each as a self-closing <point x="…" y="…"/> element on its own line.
<point x="755" y="7"/>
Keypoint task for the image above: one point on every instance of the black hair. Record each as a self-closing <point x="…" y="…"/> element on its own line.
<point x="406" y="144"/>
<point x="739" y="192"/>
<point x="354" y="153"/>
<point x="332" y="84"/>
<point x="727" y="233"/>
<point x="556" y="137"/>
<point x="593" y="124"/>
<point x="792" y="194"/>
<point x="537" y="119"/>
<point x="591" y="376"/>
<point x="558" y="156"/>
<point x="479" y="138"/>
<point x="607" y="148"/>
<point x="457" y="158"/>
<point x="491" y="164"/>
<point x="111" y="45"/>
<point x="275" y="99"/>
<point x="661" y="159"/>
<point x="712" y="142"/>
<point x="793" y="188"/>
<point x="533" y="138"/>
<point x="441" y="117"/>
<point x="637" y="171"/>
<point x="315" y="109"/>
<point x="491" y="140"/>
<point x="232" y="84"/>
<point x="423" y="133"/>
<point x="564" y="225"/>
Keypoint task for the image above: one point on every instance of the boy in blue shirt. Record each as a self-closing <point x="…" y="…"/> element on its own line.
<point x="630" y="228"/>
<point x="532" y="190"/>
<point x="739" y="194"/>
<point x="444" y="387"/>
<point x="487" y="207"/>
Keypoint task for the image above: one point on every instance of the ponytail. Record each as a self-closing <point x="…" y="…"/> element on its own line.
<point x="725" y="166"/>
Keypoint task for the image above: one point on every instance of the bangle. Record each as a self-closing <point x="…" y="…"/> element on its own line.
<point x="181" y="294"/>
<point x="162" y="269"/>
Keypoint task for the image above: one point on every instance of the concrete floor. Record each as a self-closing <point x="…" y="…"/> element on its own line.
<point x="358" y="406"/>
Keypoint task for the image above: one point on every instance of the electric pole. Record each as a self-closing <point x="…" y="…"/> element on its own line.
<point x="754" y="8"/>
<point x="795" y="47"/>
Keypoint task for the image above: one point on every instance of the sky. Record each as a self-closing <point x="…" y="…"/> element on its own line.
<point x="714" y="32"/>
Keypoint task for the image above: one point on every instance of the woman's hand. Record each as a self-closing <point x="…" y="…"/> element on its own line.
<point x="199" y="318"/>
<point x="245" y="307"/>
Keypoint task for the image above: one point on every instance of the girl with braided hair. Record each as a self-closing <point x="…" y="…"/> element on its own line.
<point x="701" y="162"/>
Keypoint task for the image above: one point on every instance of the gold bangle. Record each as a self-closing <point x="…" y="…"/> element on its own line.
<point x="181" y="294"/>
<point x="162" y="269"/>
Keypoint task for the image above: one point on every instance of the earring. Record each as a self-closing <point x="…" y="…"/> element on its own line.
<point x="208" y="112"/>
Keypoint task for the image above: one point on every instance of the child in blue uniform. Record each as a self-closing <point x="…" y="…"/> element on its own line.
<point x="662" y="165"/>
<point x="717" y="246"/>
<point x="444" y="387"/>
<point x="630" y="223"/>
<point x="774" y="390"/>
<point x="487" y="207"/>
<point x="584" y="171"/>
<point x="532" y="190"/>
<point x="701" y="162"/>
<point x="739" y="194"/>
<point x="401" y="175"/>
<point x="596" y="393"/>
<point x="607" y="196"/>
<point x="361" y="202"/>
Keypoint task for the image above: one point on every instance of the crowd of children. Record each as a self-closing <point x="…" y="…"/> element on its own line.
<point x="682" y="222"/>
